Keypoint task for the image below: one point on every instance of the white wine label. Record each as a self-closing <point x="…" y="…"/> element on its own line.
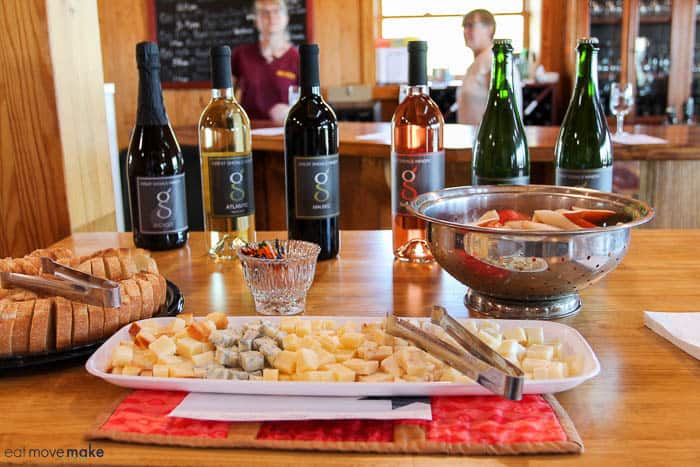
<point x="317" y="187"/>
<point x="162" y="204"/>
<point x="413" y="175"/>
<point x="476" y="180"/>
<point x="597" y="179"/>
<point x="231" y="184"/>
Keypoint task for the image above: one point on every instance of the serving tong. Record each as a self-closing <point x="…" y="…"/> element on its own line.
<point x="66" y="282"/>
<point x="474" y="358"/>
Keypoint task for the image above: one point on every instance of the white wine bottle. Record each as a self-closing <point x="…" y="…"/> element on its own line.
<point x="227" y="165"/>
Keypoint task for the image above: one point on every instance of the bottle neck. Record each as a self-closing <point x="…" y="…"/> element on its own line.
<point x="309" y="90"/>
<point x="223" y="93"/>
<point x="417" y="90"/>
<point x="587" y="72"/>
<point x="501" y="74"/>
<point x="151" y="110"/>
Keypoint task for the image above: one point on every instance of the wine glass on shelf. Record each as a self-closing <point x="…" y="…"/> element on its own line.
<point x="621" y="101"/>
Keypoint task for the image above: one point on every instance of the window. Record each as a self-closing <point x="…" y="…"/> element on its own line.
<point x="440" y="23"/>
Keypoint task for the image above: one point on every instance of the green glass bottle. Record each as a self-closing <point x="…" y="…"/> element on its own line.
<point x="583" y="155"/>
<point x="500" y="155"/>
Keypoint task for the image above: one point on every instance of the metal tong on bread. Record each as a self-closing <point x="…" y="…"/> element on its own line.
<point x="473" y="358"/>
<point x="57" y="279"/>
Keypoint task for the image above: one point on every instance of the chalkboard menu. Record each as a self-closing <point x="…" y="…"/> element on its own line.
<point x="186" y="29"/>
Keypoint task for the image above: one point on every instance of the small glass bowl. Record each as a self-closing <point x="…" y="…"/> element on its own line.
<point x="279" y="286"/>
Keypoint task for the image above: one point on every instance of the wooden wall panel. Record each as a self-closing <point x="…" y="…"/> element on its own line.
<point x="33" y="204"/>
<point x="77" y="69"/>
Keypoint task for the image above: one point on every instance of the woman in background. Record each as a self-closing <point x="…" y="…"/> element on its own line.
<point x="479" y="29"/>
<point x="264" y="71"/>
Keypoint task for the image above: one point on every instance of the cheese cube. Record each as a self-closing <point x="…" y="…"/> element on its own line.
<point x="540" y="372"/>
<point x="489" y="339"/>
<point x="450" y="374"/>
<point x="145" y="359"/>
<point x="283" y="377"/>
<point x="307" y="360"/>
<point x="303" y="328"/>
<point x="343" y="354"/>
<point x="131" y="370"/>
<point x="391" y="366"/>
<point x="400" y="342"/>
<point x="146" y="373"/>
<point x="380" y="353"/>
<point x="200" y="330"/>
<point x="310" y="342"/>
<point x="351" y="340"/>
<point x="534" y="335"/>
<point x="200" y="372"/>
<point x="329" y="325"/>
<point x="291" y="342"/>
<point x="557" y="346"/>
<point x="270" y="374"/>
<point x="340" y="372"/>
<point x="182" y="370"/>
<point x="490" y="326"/>
<point x="365" y="347"/>
<point x="516" y="334"/>
<point x="541" y="351"/>
<point x="288" y="324"/>
<point x="362" y="367"/>
<point x="164" y="345"/>
<point x="416" y="378"/>
<point x="472" y="327"/>
<point x="286" y="361"/>
<point x="116" y="370"/>
<point x="380" y="337"/>
<point x="330" y="343"/>
<point x="188" y="318"/>
<point x="324" y="357"/>
<point x="143" y="339"/>
<point x="187" y="347"/>
<point x="556" y="370"/>
<point x="411" y="361"/>
<point x="316" y="326"/>
<point x="219" y="319"/>
<point x="317" y="376"/>
<point x="378" y="377"/>
<point x="529" y="364"/>
<point x="122" y="356"/>
<point x="203" y="359"/>
<point x="349" y="326"/>
<point x="170" y="360"/>
<point x="574" y="365"/>
<point x="511" y="347"/>
<point x="177" y="325"/>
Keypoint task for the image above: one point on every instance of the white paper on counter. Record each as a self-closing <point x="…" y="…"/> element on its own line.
<point x="636" y="138"/>
<point x="240" y="408"/>
<point x="681" y="329"/>
<point x="277" y="131"/>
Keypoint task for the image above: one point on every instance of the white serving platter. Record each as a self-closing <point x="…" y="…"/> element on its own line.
<point x="573" y="343"/>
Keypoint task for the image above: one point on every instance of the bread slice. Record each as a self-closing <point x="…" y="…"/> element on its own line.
<point x="64" y="324"/>
<point x="158" y="293"/>
<point x="27" y="267"/>
<point x="97" y="322"/>
<point x="113" y="268"/>
<point x="41" y="335"/>
<point x="111" y="321"/>
<point x="85" y="267"/>
<point x="129" y="268"/>
<point x="23" y="326"/>
<point x="81" y="323"/>
<point x="98" y="268"/>
<point x="147" y="303"/>
<point x="132" y="289"/>
<point x="8" y="316"/>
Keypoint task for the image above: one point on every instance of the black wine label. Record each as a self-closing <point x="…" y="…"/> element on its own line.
<point x="597" y="179"/>
<point x="415" y="174"/>
<point x="316" y="187"/>
<point x="162" y="204"/>
<point x="231" y="186"/>
<point x="477" y="180"/>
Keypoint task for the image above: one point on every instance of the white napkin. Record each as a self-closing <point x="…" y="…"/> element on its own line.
<point x="636" y="138"/>
<point x="240" y="408"/>
<point x="682" y="329"/>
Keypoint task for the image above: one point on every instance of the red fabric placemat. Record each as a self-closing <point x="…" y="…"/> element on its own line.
<point x="460" y="425"/>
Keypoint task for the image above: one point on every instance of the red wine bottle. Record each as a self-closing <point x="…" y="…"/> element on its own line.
<point x="311" y="162"/>
<point x="155" y="166"/>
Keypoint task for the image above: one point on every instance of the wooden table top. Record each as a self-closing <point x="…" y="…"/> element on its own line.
<point x="374" y="140"/>
<point x="643" y="408"/>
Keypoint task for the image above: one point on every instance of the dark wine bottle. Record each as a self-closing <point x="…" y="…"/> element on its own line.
<point x="311" y="162"/>
<point x="500" y="155"/>
<point x="583" y="155"/>
<point x="155" y="166"/>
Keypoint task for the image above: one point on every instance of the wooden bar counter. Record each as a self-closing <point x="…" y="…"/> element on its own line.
<point x="641" y="410"/>
<point x="668" y="174"/>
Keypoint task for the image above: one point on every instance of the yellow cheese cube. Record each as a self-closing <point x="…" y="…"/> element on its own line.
<point x="170" y="359"/>
<point x="324" y="357"/>
<point x="540" y="351"/>
<point x="451" y="375"/>
<point x="378" y="377"/>
<point x="303" y="328"/>
<point x="307" y="360"/>
<point x="145" y="359"/>
<point x="400" y="342"/>
<point x="534" y="335"/>
<point x="380" y="353"/>
<point x="286" y="361"/>
<point x="391" y="366"/>
<point x="182" y="370"/>
<point x="329" y="325"/>
<point x="351" y="340"/>
<point x="131" y="370"/>
<point x="411" y="361"/>
<point x="343" y="354"/>
<point x="219" y="319"/>
<point x="316" y="326"/>
<point x="284" y="377"/>
<point x="203" y="359"/>
<point x="317" y="376"/>
<point x="417" y="378"/>
<point x="330" y="343"/>
<point x="146" y="373"/>
<point x="160" y="371"/>
<point x="291" y="342"/>
<point x="187" y="347"/>
<point x="516" y="334"/>
<point x="164" y="345"/>
<point x="122" y="355"/>
<point x="116" y="370"/>
<point x="362" y="367"/>
<point x="349" y="326"/>
<point x="540" y="372"/>
<point x="365" y="347"/>
<point x="288" y="324"/>
<point x="511" y="347"/>
<point x="177" y="325"/>
<point x="270" y="374"/>
<point x="310" y="342"/>
<point x="340" y="372"/>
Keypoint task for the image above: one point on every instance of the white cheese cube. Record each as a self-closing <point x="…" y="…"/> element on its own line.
<point x="122" y="356"/>
<point x="471" y="327"/>
<point x="534" y="335"/>
<point x="340" y="373"/>
<point x="164" y="345"/>
<point x="303" y="328"/>
<point x="378" y="377"/>
<point x="203" y="359"/>
<point x="574" y="365"/>
<point x="529" y="364"/>
<point x="490" y="326"/>
<point x="556" y="370"/>
<point x="540" y="372"/>
<point x="160" y="371"/>
<point x="489" y="339"/>
<point x="517" y="334"/>
<point x="307" y="360"/>
<point x="187" y="347"/>
<point x="540" y="351"/>
<point x="362" y="367"/>
<point x="288" y="324"/>
<point x="511" y="347"/>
